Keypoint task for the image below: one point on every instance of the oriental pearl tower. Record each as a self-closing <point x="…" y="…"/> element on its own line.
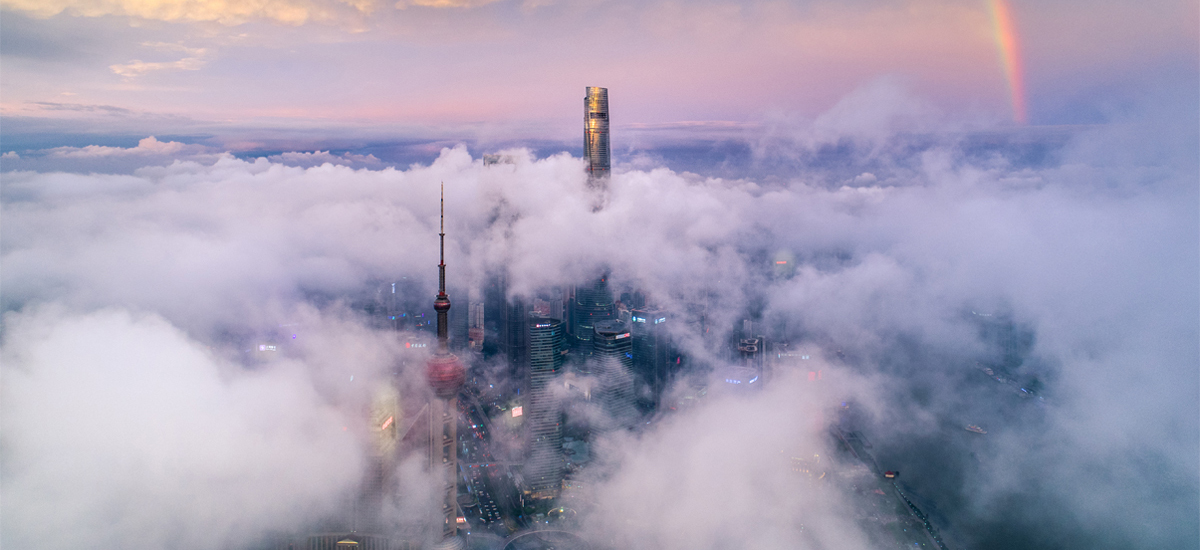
<point x="446" y="376"/>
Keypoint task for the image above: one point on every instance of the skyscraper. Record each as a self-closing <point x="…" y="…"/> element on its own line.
<point x="459" y="320"/>
<point x="384" y="422"/>
<point x="593" y="303"/>
<point x="612" y="358"/>
<point x="595" y="133"/>
<point x="752" y="352"/>
<point x="653" y="358"/>
<point x="514" y="336"/>
<point x="446" y="376"/>
<point x="547" y="351"/>
<point x="506" y="333"/>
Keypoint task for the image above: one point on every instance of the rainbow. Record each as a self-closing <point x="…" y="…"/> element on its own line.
<point x="1010" y="56"/>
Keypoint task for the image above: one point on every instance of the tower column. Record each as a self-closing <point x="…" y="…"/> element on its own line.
<point x="446" y="376"/>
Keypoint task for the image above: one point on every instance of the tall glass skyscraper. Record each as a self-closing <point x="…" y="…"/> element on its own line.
<point x="547" y="351"/>
<point x="595" y="133"/>
<point x="612" y="357"/>
<point x="592" y="304"/>
<point x="653" y="358"/>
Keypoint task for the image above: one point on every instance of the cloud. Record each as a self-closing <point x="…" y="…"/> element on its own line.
<point x="118" y="427"/>
<point x="402" y="4"/>
<point x="725" y="475"/>
<point x="317" y="158"/>
<point x="146" y="146"/>
<point x="104" y="158"/>
<point x="194" y="62"/>
<point x="228" y="12"/>
<point x="1085" y="264"/>
<point x="107" y="109"/>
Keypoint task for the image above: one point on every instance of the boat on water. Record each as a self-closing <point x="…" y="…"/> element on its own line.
<point x="975" y="429"/>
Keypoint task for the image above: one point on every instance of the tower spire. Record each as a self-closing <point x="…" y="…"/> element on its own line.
<point x="442" y="303"/>
<point x="442" y="236"/>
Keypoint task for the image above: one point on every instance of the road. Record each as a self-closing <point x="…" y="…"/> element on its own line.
<point x="489" y="480"/>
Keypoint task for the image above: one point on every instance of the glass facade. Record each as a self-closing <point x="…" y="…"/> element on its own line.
<point x="595" y="132"/>
<point x="591" y="305"/>
<point x="653" y="358"/>
<point x="612" y="359"/>
<point x="547" y="353"/>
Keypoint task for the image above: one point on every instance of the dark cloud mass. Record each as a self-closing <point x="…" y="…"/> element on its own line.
<point x="1066" y="262"/>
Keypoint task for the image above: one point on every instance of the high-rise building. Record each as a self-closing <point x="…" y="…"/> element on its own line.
<point x="460" y="324"/>
<point x="514" y="335"/>
<point x="595" y="133"/>
<point x="752" y="353"/>
<point x="383" y="424"/>
<point x="404" y="312"/>
<point x="593" y="303"/>
<point x="547" y="351"/>
<point x="446" y="376"/>
<point x="549" y="303"/>
<point x="612" y="362"/>
<point x="506" y="332"/>
<point x="495" y="299"/>
<point x="654" y="360"/>
<point x="475" y="329"/>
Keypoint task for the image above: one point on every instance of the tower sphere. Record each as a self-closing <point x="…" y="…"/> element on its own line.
<point x="446" y="375"/>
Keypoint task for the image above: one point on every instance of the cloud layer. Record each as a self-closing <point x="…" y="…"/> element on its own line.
<point x="129" y="294"/>
<point x="120" y="429"/>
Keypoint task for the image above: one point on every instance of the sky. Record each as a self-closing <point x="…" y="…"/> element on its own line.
<point x="957" y="190"/>
<point x="284" y="74"/>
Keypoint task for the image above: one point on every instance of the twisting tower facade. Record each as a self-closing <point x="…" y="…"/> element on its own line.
<point x="595" y="133"/>
<point x="446" y="376"/>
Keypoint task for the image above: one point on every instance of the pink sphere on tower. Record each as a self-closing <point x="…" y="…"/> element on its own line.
<point x="446" y="375"/>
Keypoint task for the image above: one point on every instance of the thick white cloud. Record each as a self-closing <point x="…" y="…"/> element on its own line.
<point x="722" y="475"/>
<point x="119" y="429"/>
<point x="1093" y="253"/>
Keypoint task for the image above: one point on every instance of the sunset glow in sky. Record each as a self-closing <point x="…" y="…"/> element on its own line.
<point x="515" y="68"/>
